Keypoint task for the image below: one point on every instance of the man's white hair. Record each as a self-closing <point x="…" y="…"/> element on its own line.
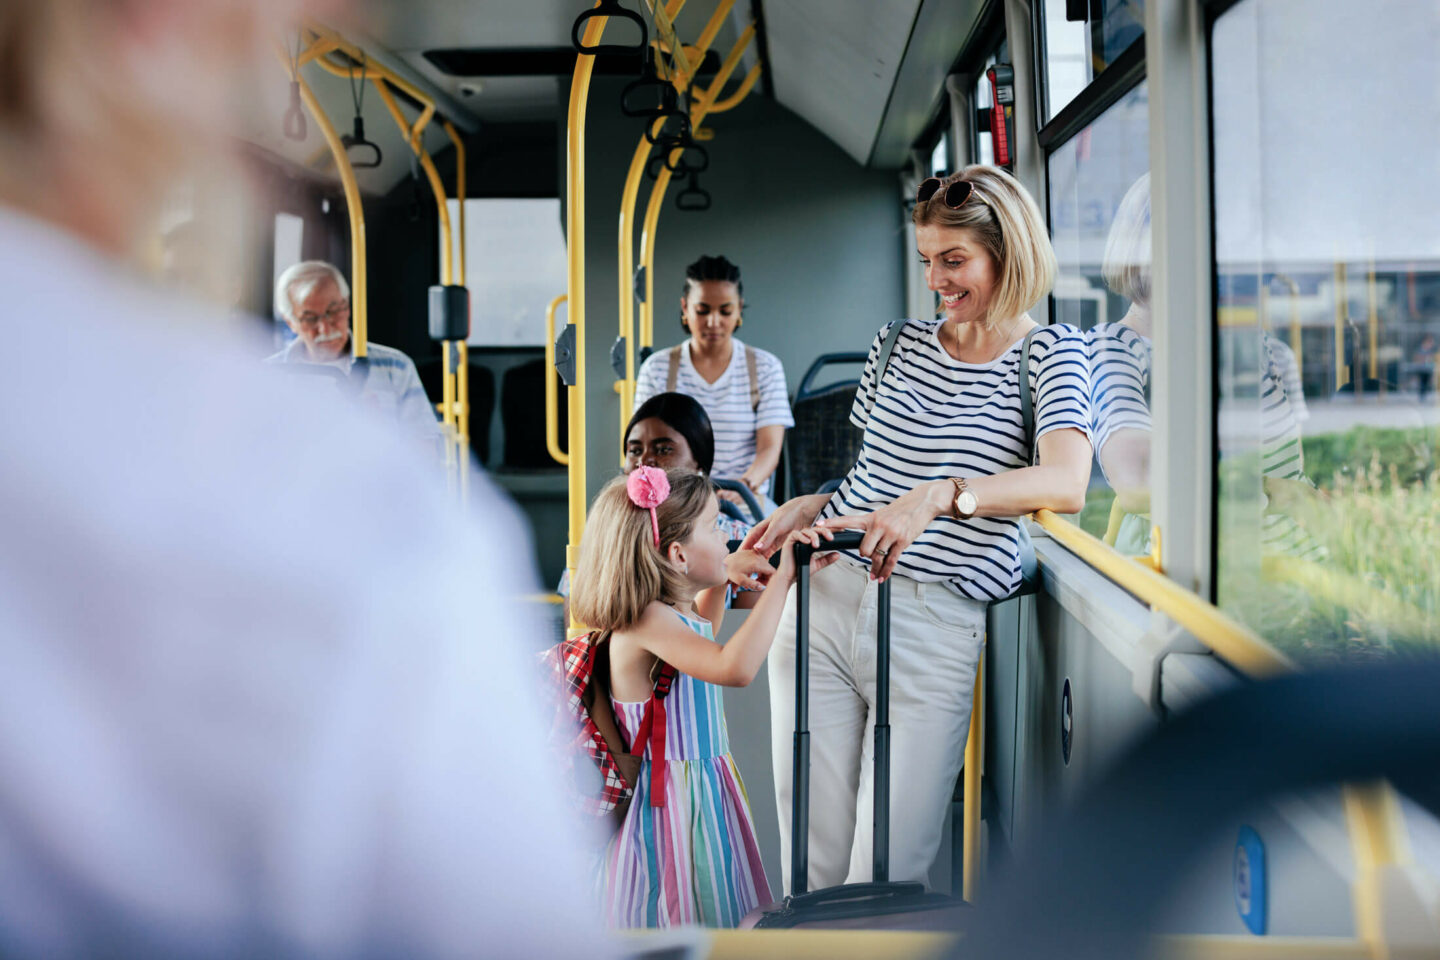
<point x="298" y="280"/>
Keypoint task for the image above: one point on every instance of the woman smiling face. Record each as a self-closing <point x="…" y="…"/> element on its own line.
<point x="960" y="270"/>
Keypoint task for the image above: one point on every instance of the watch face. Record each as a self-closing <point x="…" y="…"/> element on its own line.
<point x="965" y="503"/>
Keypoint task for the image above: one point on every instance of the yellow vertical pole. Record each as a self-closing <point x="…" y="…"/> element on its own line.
<point x="662" y="183"/>
<point x="1297" y="342"/>
<point x="359" y="289"/>
<point x="462" y="379"/>
<point x="455" y="449"/>
<point x="575" y="237"/>
<point x="626" y="248"/>
<point x="974" y="762"/>
<point x="552" y="406"/>
<point x="1372" y="297"/>
<point x="1342" y="367"/>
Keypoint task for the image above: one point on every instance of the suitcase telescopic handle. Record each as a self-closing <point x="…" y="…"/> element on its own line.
<point x="800" y="792"/>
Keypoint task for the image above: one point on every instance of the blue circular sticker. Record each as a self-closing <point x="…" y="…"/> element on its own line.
<point x="1251" y="880"/>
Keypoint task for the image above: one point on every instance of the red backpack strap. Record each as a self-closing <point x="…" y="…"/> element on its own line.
<point x="652" y="731"/>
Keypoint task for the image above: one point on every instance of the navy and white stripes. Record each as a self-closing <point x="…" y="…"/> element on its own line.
<point x="727" y="401"/>
<point x="933" y="418"/>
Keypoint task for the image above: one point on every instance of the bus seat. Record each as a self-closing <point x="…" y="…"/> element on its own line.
<point x="482" y="400"/>
<point x="522" y="416"/>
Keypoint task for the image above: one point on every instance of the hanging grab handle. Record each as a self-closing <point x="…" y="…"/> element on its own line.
<point x="609" y="8"/>
<point x="692" y="198"/>
<point x="692" y="158"/>
<point x="293" y="125"/>
<point x="682" y="130"/>
<point x="648" y="97"/>
<point x="357" y="140"/>
<point x="295" y="115"/>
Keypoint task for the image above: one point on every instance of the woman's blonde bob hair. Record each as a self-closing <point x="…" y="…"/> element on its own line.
<point x="1125" y="265"/>
<point x="1003" y="218"/>
<point x="621" y="572"/>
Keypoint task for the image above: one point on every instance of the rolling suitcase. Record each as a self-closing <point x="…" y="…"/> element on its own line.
<point x="882" y="903"/>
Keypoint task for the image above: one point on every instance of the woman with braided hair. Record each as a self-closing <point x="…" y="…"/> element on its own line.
<point x="741" y="387"/>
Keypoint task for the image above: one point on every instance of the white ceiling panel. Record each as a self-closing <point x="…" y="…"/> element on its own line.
<point x="834" y="62"/>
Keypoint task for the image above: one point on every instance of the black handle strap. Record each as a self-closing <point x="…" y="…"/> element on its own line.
<point x="609" y="8"/>
<point x="693" y="199"/>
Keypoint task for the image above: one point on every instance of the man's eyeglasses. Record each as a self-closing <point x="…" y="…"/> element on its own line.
<point x="334" y="313"/>
<point x="955" y="195"/>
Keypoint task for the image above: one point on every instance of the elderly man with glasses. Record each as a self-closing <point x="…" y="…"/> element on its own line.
<point x="313" y="299"/>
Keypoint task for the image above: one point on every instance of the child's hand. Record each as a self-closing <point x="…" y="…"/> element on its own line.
<point x="748" y="570"/>
<point x="819" y="561"/>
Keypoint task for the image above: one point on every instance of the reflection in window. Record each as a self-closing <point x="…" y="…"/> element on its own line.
<point x="1076" y="53"/>
<point x="1100" y="225"/>
<point x="940" y="156"/>
<point x="1327" y="315"/>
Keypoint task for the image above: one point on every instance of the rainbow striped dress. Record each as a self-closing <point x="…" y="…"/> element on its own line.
<point x="694" y="860"/>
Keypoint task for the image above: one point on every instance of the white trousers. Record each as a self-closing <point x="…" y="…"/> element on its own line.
<point x="935" y="640"/>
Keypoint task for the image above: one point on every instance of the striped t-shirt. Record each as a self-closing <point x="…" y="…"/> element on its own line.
<point x="1119" y="379"/>
<point x="726" y="402"/>
<point x="934" y="417"/>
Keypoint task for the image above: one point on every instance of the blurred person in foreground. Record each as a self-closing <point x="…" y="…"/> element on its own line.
<point x="233" y="720"/>
<point x="313" y="299"/>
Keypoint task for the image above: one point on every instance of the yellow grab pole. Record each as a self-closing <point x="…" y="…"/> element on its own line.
<point x="1372" y="297"/>
<point x="575" y="243"/>
<point x="451" y="393"/>
<point x="662" y="183"/>
<point x="1342" y="372"/>
<point x="626" y="248"/>
<point x="462" y="380"/>
<point x="741" y="92"/>
<point x="552" y="404"/>
<point x="358" y="289"/>
<point x="974" y="766"/>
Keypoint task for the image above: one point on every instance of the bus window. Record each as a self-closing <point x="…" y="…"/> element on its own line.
<point x="1100" y="225"/>
<point x="1077" y="51"/>
<point x="1325" y="248"/>
<point x="288" y="249"/>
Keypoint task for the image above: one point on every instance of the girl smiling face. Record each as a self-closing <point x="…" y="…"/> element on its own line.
<point x="959" y="269"/>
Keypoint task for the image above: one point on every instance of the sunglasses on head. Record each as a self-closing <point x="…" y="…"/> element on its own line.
<point x="954" y="196"/>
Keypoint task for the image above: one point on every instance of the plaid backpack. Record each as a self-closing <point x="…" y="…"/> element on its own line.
<point x="585" y="726"/>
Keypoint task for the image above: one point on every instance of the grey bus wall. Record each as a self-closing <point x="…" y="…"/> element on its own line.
<point x="817" y="238"/>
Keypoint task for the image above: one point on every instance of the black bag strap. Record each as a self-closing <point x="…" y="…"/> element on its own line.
<point x="1027" y="399"/>
<point x="883" y="361"/>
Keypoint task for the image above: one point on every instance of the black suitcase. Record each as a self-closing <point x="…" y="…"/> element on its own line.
<point x="882" y="903"/>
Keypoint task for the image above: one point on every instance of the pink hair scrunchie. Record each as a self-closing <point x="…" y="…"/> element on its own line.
<point x="648" y="487"/>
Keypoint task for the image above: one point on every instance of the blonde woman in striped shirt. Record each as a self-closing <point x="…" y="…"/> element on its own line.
<point x="943" y="476"/>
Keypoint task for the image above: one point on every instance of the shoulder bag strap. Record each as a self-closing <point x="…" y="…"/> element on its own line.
<point x="883" y="361"/>
<point x="652" y="731"/>
<point x="672" y="374"/>
<point x="1027" y="399"/>
<point x="751" y="368"/>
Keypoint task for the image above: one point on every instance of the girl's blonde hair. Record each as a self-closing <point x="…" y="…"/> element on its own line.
<point x="1009" y="226"/>
<point x="621" y="572"/>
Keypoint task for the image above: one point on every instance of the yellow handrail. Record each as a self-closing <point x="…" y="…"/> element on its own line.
<point x="1232" y="640"/>
<point x="662" y="183"/>
<point x="1378" y="834"/>
<point x="359" y="291"/>
<point x="741" y="92"/>
<point x="451" y="390"/>
<point x="462" y="379"/>
<point x="626" y="247"/>
<point x="575" y="237"/>
<point x="974" y="766"/>
<point x="552" y="404"/>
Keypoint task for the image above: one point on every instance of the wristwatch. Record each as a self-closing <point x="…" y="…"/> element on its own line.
<point x="964" y="505"/>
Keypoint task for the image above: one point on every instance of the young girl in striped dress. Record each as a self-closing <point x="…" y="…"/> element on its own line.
<point x="652" y="572"/>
